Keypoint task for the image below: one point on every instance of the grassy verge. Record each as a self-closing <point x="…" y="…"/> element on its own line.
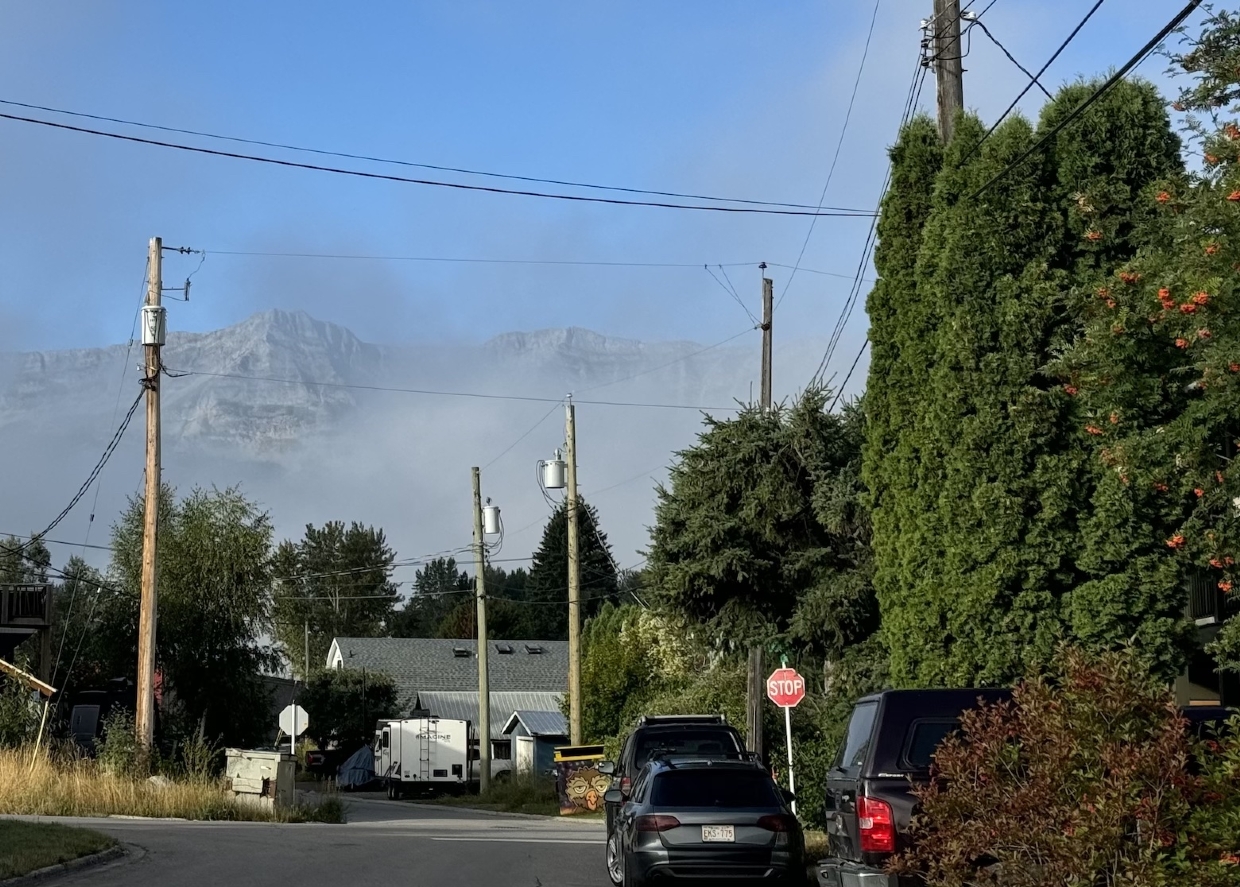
<point x="517" y="795"/>
<point x="816" y="847"/>
<point x="80" y="787"/>
<point x="28" y="846"/>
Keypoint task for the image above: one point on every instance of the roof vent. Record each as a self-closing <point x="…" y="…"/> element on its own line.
<point x="533" y="649"/>
<point x="503" y="648"/>
<point x="460" y="652"/>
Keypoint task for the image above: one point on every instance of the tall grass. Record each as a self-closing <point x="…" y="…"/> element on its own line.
<point x="39" y="783"/>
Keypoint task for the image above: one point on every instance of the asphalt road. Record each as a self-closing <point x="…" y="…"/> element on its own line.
<point x="384" y="843"/>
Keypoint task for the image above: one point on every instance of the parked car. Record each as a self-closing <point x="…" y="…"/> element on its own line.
<point x="886" y="753"/>
<point x="710" y="820"/>
<point x="706" y="735"/>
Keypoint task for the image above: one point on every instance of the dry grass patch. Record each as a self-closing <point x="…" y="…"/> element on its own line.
<point x="74" y="786"/>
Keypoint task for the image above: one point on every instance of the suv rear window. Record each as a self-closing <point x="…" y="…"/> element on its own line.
<point x="702" y="787"/>
<point x="857" y="742"/>
<point x="924" y="738"/>
<point x="687" y="741"/>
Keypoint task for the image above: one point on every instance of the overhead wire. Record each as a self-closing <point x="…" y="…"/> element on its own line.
<point x="1097" y="94"/>
<point x="661" y="366"/>
<point x="405" y="163"/>
<point x="94" y="474"/>
<point x="1036" y="78"/>
<point x="513" y="445"/>
<point x="459" y="186"/>
<point x="838" y="147"/>
<point x="464" y="394"/>
<point x="995" y="40"/>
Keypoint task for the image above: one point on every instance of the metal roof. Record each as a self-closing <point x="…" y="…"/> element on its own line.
<point x="538" y="723"/>
<point x="418" y="665"/>
<point x="463" y="706"/>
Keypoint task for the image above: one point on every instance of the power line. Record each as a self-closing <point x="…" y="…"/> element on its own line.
<point x="670" y="363"/>
<point x="469" y="394"/>
<point x="1037" y="77"/>
<point x="731" y="291"/>
<point x="513" y="445"/>
<point x="838" y="146"/>
<point x="910" y="106"/>
<point x="1095" y="96"/>
<point x="844" y="384"/>
<point x="94" y="474"/>
<point x="1011" y="58"/>
<point x="460" y="186"/>
<point x="410" y="164"/>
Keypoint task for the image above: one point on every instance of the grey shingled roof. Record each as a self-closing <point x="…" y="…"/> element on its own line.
<point x="463" y="706"/>
<point x="539" y="723"/>
<point x="419" y="665"/>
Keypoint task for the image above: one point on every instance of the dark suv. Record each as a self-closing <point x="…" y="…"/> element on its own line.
<point x="886" y="752"/>
<point x="703" y="735"/>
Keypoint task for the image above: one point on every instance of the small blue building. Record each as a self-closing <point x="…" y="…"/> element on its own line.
<point x="535" y="736"/>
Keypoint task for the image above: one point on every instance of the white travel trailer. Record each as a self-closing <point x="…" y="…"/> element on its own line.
<point x="423" y="754"/>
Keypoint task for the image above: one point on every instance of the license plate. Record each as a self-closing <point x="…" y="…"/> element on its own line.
<point x="718" y="834"/>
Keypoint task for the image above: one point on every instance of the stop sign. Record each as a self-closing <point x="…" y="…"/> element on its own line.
<point x="785" y="687"/>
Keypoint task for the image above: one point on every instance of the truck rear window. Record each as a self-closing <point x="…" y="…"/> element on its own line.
<point x="714" y="788"/>
<point x="924" y="738"/>
<point x="694" y="741"/>
<point x="857" y="741"/>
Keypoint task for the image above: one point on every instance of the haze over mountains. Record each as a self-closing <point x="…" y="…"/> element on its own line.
<point x="317" y="452"/>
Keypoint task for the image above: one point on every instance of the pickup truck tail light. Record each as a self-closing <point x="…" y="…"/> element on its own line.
<point x="656" y="823"/>
<point x="876" y="826"/>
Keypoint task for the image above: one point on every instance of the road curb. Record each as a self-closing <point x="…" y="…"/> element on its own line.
<point x="539" y="816"/>
<point x="73" y="865"/>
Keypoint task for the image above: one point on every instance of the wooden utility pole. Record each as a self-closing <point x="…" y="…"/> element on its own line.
<point x="768" y="309"/>
<point x="484" y="683"/>
<point x="948" y="65"/>
<point x="754" y="684"/>
<point x="152" y="337"/>
<point x="574" y="580"/>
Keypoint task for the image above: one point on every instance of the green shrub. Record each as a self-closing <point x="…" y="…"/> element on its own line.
<point x="1083" y="778"/>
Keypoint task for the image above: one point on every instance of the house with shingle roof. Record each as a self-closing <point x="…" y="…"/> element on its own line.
<point x="439" y="677"/>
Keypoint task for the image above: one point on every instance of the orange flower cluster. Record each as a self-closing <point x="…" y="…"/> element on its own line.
<point x="1093" y="236"/>
<point x="1235" y="367"/>
<point x="1181" y="343"/>
<point x="1198" y="492"/>
<point x="1164" y="296"/>
<point x="1234" y="196"/>
<point x="1212" y="249"/>
<point x="1161" y="487"/>
<point x="1129" y="277"/>
<point x="1071" y="390"/>
<point x="1163" y="197"/>
<point x="1225" y="585"/>
<point x="1204" y="334"/>
<point x="1201" y="299"/>
<point x="1176" y="541"/>
<point x="1093" y="429"/>
<point x="1231" y="131"/>
<point x="1188" y="308"/>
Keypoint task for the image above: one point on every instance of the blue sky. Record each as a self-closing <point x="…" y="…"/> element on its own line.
<point x="721" y="97"/>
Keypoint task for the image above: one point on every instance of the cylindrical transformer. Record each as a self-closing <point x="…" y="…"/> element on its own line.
<point x="555" y="473"/>
<point x="154" y="324"/>
<point x="490" y="520"/>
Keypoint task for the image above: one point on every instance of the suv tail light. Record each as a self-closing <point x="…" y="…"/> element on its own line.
<point x="876" y="826"/>
<point x="775" y="823"/>
<point x="625" y="785"/>
<point x="656" y="823"/>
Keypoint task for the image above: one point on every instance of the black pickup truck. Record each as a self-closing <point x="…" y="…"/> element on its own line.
<point x="887" y="750"/>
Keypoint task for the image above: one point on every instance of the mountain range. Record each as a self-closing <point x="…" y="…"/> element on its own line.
<point x="319" y="425"/>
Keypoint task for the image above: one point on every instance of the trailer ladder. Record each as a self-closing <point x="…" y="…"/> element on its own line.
<point x="426" y="741"/>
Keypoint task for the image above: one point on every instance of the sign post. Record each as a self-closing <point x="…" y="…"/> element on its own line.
<point x="294" y="722"/>
<point x="786" y="688"/>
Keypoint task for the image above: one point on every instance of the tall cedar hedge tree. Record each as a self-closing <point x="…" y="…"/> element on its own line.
<point x="337" y="580"/>
<point x="507" y="617"/>
<point x="759" y="536"/>
<point x="1155" y="384"/>
<point x="977" y="479"/>
<point x="546" y="590"/>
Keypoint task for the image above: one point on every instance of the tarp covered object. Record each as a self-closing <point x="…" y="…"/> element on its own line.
<point x="358" y="770"/>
